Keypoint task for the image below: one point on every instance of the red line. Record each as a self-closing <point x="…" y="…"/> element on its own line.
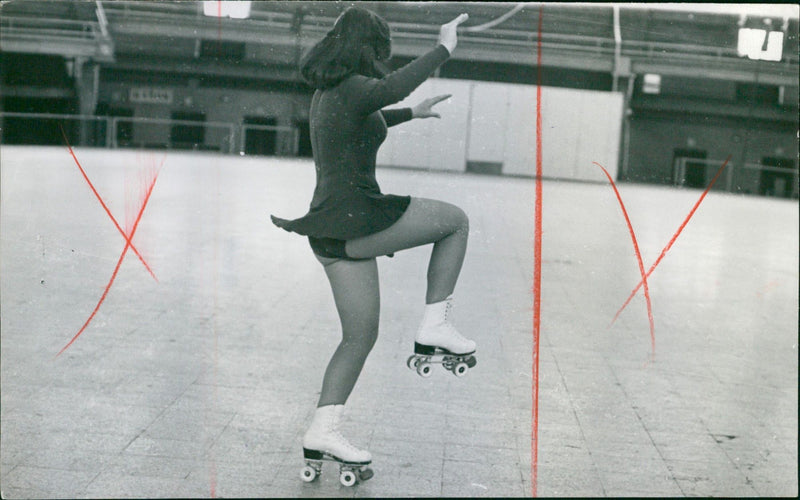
<point x="674" y="237"/>
<point x="214" y="324"/>
<point x="100" y="199"/>
<point x="213" y="474"/>
<point x="638" y="259"/>
<point x="537" y="271"/>
<point x="219" y="29"/>
<point x="116" y="268"/>
<point x="102" y="299"/>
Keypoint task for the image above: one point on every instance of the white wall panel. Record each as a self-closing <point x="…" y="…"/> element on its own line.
<point x="601" y="126"/>
<point x="431" y="143"/>
<point x="520" y="137"/>
<point x="561" y="131"/>
<point x="578" y="127"/>
<point x="488" y="123"/>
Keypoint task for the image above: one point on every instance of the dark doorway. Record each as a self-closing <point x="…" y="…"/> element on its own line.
<point x="304" y="149"/>
<point x="124" y="134"/>
<point x="36" y="70"/>
<point x="39" y="131"/>
<point x="694" y="173"/>
<point x="259" y="139"/>
<point x="187" y="136"/>
<point x="779" y="179"/>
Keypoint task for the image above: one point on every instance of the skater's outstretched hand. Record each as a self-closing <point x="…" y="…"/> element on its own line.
<point x="425" y="108"/>
<point x="447" y="33"/>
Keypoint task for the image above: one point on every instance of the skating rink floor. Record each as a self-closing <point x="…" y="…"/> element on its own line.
<point x="202" y="382"/>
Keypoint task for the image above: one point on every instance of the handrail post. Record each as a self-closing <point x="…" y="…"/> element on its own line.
<point x="617" y="49"/>
<point x="114" y="132"/>
<point x="729" y="179"/>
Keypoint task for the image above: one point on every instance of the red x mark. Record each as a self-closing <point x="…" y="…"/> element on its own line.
<point x="638" y="259"/>
<point x="674" y="237"/>
<point x="128" y="238"/>
<point x="664" y="251"/>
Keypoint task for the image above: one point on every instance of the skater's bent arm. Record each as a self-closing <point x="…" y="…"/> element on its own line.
<point x="397" y="116"/>
<point x="372" y="94"/>
<point x="376" y="93"/>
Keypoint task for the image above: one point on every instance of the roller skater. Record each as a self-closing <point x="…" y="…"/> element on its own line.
<point x="350" y="222"/>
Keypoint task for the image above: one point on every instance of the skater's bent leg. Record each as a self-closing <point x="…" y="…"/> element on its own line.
<point x="425" y="221"/>
<point x="357" y="297"/>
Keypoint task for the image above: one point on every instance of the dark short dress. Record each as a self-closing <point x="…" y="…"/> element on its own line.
<point x="348" y="125"/>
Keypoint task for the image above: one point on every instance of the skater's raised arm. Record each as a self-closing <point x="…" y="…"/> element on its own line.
<point x="376" y="93"/>
<point x="372" y="94"/>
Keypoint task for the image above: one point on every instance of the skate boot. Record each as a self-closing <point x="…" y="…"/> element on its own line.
<point x="438" y="341"/>
<point x="323" y="442"/>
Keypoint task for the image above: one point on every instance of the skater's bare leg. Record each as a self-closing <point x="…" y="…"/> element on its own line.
<point x="425" y="221"/>
<point x="357" y="297"/>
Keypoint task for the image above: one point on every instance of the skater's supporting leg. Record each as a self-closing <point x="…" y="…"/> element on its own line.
<point x="425" y="221"/>
<point x="357" y="297"/>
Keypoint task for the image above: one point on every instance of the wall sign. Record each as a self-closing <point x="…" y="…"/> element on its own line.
<point x="150" y="95"/>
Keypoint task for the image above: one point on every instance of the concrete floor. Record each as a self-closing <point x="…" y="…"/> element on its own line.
<point x="201" y="384"/>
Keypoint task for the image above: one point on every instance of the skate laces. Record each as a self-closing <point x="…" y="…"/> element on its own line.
<point x="449" y="325"/>
<point x="345" y="443"/>
<point x="334" y="431"/>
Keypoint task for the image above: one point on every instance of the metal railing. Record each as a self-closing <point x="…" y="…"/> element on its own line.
<point x="225" y="142"/>
<point x="53" y="35"/>
<point x="138" y="132"/>
<point x="80" y="129"/>
<point x="232" y="138"/>
<point x="192" y="12"/>
<point x="769" y="173"/>
<point x="499" y="37"/>
<point x="679" y="170"/>
<point x="189" y="14"/>
<point x="34" y="27"/>
<point x="746" y="178"/>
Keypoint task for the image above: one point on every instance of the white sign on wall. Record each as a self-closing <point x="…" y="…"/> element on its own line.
<point x="150" y="95"/>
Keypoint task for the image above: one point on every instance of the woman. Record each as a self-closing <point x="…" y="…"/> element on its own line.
<point x="350" y="222"/>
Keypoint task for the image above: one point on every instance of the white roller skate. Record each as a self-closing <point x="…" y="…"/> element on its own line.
<point x="438" y="341"/>
<point x="323" y="442"/>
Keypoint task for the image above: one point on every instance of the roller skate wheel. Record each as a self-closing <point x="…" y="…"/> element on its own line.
<point x="347" y="478"/>
<point x="412" y="362"/>
<point x="308" y="474"/>
<point x="460" y="369"/>
<point x="424" y="369"/>
<point x="365" y="474"/>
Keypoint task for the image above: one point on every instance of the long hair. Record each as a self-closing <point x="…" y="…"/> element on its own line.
<point x="358" y="43"/>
